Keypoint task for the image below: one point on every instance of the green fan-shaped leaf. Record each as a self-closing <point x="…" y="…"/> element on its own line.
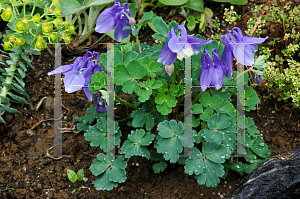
<point x="219" y="121"/>
<point x="109" y="171"/>
<point x="260" y="148"/>
<point x="135" y="145"/>
<point x="206" y="114"/>
<point x="197" y="109"/>
<point x="227" y="107"/>
<point x="159" y="167"/>
<point x="171" y="140"/>
<point x="215" y="152"/>
<point x="211" y="174"/>
<point x="194" y="164"/>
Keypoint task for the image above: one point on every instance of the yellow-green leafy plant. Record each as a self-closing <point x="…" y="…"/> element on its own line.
<point x="282" y="73"/>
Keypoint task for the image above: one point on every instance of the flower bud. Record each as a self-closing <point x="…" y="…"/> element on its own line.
<point x="40" y="45"/>
<point x="58" y="22"/>
<point x="47" y="27"/>
<point x="100" y="104"/>
<point x="21" y="27"/>
<point x="66" y="23"/>
<point x="7" y="46"/>
<point x="67" y="39"/>
<point x="39" y="37"/>
<point x="169" y="69"/>
<point x="52" y="36"/>
<point x="57" y="11"/>
<point x="72" y="28"/>
<point x="7" y="14"/>
<point x="257" y="78"/>
<point x="24" y="20"/>
<point x="19" y="42"/>
<point x="49" y="10"/>
<point x="36" y="18"/>
<point x="132" y="21"/>
<point x="11" y="38"/>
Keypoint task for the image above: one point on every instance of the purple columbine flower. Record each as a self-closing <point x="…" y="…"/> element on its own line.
<point x="180" y="47"/>
<point x="117" y="17"/>
<point x="233" y="46"/>
<point x="212" y="72"/>
<point x="100" y="104"/>
<point x="257" y="78"/>
<point x="78" y="75"/>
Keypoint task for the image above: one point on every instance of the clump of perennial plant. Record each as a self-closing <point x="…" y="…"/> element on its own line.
<point x="162" y="129"/>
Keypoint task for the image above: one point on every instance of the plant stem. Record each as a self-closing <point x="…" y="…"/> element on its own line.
<point x="243" y="73"/>
<point x="86" y="25"/>
<point x="174" y="76"/>
<point x="33" y="9"/>
<point x="86" y="35"/>
<point x="138" y="41"/>
<point x="194" y="101"/>
<point x="24" y="10"/>
<point x="122" y="101"/>
<point x="197" y="98"/>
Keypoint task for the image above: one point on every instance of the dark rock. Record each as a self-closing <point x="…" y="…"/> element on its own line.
<point x="279" y="177"/>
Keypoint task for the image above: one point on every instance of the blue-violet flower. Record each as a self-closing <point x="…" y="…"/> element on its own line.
<point x="78" y="75"/>
<point x="257" y="78"/>
<point x="100" y="104"/>
<point x="212" y="72"/>
<point x="115" y="16"/>
<point x="234" y="47"/>
<point x="180" y="47"/>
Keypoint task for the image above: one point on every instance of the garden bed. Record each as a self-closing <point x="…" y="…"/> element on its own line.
<point x="25" y="141"/>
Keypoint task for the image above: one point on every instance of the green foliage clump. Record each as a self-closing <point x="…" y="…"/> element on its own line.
<point x="284" y="85"/>
<point x="282" y="73"/>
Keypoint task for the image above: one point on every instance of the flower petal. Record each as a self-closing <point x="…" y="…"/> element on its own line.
<point x="62" y="69"/>
<point x="254" y="40"/>
<point x="206" y="72"/>
<point x="197" y="42"/>
<point x="205" y="77"/>
<point x="88" y="94"/>
<point x="167" y="57"/>
<point x="217" y="78"/>
<point x="217" y="61"/>
<point x="121" y="34"/>
<point x="240" y="50"/>
<point x="105" y="21"/>
<point x="228" y="61"/>
<point x="73" y="81"/>
<point x="238" y="33"/>
<point x="175" y="43"/>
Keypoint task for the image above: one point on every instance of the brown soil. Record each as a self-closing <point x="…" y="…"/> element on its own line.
<point x="26" y="168"/>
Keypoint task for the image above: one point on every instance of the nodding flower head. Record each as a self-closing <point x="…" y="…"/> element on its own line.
<point x="239" y="46"/>
<point x="116" y="16"/>
<point x="100" y="104"/>
<point x="78" y="75"/>
<point x="181" y="46"/>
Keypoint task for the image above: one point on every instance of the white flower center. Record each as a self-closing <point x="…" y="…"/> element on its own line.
<point x="186" y="52"/>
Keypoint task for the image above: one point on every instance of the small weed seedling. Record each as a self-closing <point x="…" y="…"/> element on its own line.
<point x="73" y="177"/>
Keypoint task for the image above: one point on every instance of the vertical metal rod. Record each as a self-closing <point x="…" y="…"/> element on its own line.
<point x="188" y="107"/>
<point x="110" y="100"/>
<point x="57" y="105"/>
<point x="241" y="151"/>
